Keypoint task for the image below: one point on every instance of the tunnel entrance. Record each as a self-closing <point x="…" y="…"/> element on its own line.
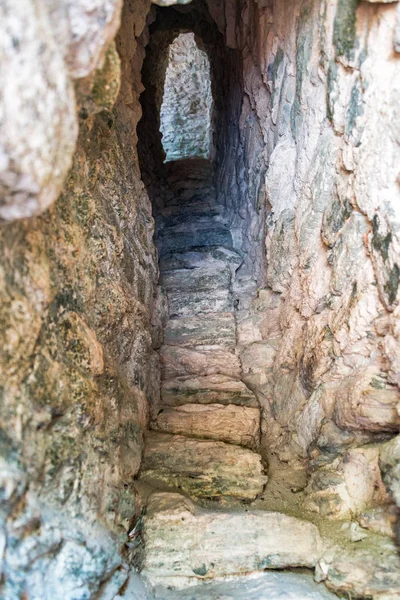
<point x="187" y="101"/>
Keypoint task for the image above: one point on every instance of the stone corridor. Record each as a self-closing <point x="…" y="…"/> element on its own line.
<point x="212" y="415"/>
<point x="199" y="300"/>
<point x="204" y="441"/>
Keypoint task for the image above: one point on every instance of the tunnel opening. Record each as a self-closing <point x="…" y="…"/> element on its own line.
<point x="185" y="113"/>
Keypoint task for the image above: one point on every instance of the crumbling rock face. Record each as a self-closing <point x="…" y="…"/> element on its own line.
<point x="48" y="46"/>
<point x="318" y="340"/>
<point x="78" y="369"/>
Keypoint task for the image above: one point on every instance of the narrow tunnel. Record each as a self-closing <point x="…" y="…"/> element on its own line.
<point x="199" y="292"/>
<point x="207" y="417"/>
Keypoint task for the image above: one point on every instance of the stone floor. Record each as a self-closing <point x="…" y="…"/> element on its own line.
<point x="268" y="586"/>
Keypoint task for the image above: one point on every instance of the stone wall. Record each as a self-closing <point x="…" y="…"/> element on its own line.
<point x="318" y="152"/>
<point x="78" y="369"/>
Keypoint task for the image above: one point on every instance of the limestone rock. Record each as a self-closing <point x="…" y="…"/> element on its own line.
<point x="185" y="544"/>
<point x="181" y="362"/>
<point x="209" y="277"/>
<point x="348" y="485"/>
<point x="389" y="461"/>
<point x="170" y="2"/>
<point x="206" y="390"/>
<point x="216" y="256"/>
<point x="185" y="111"/>
<point x="397" y="31"/>
<point x="235" y="424"/>
<point x="369" y="568"/>
<point x="192" y="235"/>
<point x="366" y="402"/>
<point x="381" y="519"/>
<point x="46" y="46"/>
<point x="189" y="304"/>
<point x="213" y="329"/>
<point x="268" y="586"/>
<point x="37" y="112"/>
<point x="202" y="468"/>
<point x="85" y="30"/>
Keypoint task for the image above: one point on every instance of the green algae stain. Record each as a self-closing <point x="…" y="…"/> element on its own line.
<point x="201" y="571"/>
<point x="344" y="32"/>
<point x="392" y="285"/>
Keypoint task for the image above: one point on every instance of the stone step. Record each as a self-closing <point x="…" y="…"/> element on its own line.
<point x="187" y="220"/>
<point x="183" y="197"/>
<point x="182" y="362"/>
<point x="271" y="585"/>
<point x="202" y="468"/>
<point x="174" y="215"/>
<point x="189" y="169"/>
<point x="213" y="329"/>
<point x="173" y="240"/>
<point x="233" y="424"/>
<point x="197" y="258"/>
<point x="209" y="389"/>
<point x="185" y="544"/>
<point x="190" y="304"/>
<point x="211" y="276"/>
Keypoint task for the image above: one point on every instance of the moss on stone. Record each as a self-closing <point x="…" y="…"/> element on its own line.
<point x="107" y="80"/>
<point x="392" y="284"/>
<point x="344" y="31"/>
<point x="355" y="108"/>
<point x="380" y="242"/>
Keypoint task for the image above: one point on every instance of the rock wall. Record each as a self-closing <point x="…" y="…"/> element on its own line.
<point x="77" y="288"/>
<point x="307" y="149"/>
<point x="318" y="152"/>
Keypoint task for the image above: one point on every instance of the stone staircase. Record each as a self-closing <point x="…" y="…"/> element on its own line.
<point x="206" y="435"/>
<point x="204" y="442"/>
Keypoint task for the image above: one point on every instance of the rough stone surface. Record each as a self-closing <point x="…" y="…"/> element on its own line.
<point x="235" y="424"/>
<point x="300" y="204"/>
<point x="186" y="108"/>
<point x="202" y="468"/>
<point x="48" y="46"/>
<point x="389" y="460"/>
<point x="348" y="485"/>
<point x="76" y="289"/>
<point x="366" y="569"/>
<point x="269" y="586"/>
<point x="180" y="362"/>
<point x="37" y="113"/>
<point x="185" y="544"/>
<point x="206" y="390"/>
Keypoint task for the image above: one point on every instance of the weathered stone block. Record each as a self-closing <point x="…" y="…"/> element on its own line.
<point x="178" y="362"/>
<point x="202" y="468"/>
<point x="271" y="585"/>
<point x="213" y="329"/>
<point x="235" y="424"/>
<point x="189" y="304"/>
<point x="389" y="461"/>
<point x="348" y="485"/>
<point x="368" y="569"/>
<point x="206" y="390"/>
<point x="185" y="544"/>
